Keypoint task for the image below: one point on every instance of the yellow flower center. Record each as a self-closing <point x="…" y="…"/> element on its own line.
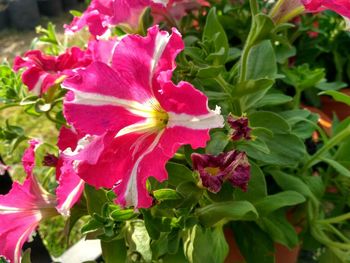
<point x="213" y="171"/>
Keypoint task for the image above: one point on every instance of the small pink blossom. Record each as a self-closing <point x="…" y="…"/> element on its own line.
<point x="43" y="71"/>
<point x="135" y="116"/>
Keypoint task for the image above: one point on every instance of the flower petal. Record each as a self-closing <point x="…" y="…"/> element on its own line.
<point x="150" y="55"/>
<point x="70" y="188"/>
<point x="20" y="213"/>
<point x="28" y="159"/>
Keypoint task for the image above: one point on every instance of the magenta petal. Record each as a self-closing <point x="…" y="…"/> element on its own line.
<point x="67" y="138"/>
<point x="20" y="214"/>
<point x="28" y="159"/>
<point x="42" y="71"/>
<point x="90" y="106"/>
<point x="150" y="55"/>
<point x="102" y="50"/>
<point x="342" y="7"/>
<point x="70" y="188"/>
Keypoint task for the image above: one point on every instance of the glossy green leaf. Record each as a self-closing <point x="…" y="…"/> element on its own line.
<point x="280" y="230"/>
<point x="338" y="96"/>
<point x="257" y="189"/>
<point x="231" y="210"/>
<point x="213" y="30"/>
<point x="197" y="240"/>
<point x="114" y="251"/>
<point x="166" y="194"/>
<point x="274" y="202"/>
<point x="248" y="235"/>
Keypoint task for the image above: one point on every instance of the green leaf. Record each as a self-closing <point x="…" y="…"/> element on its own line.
<point x="231" y="210"/>
<point x="262" y="62"/>
<point x="326" y="86"/>
<point x="248" y="235"/>
<point x="273" y="99"/>
<point x="196" y="241"/>
<point x="210" y="72"/>
<point x="179" y="173"/>
<point x="91" y="226"/>
<point x="214" y="31"/>
<point x="114" y="251"/>
<point x="302" y="77"/>
<point x="139" y="241"/>
<point x="286" y="150"/>
<point x="217" y="143"/>
<point x="291" y="182"/>
<point x="274" y="202"/>
<point x="26" y="256"/>
<point x="338" y="96"/>
<point x="249" y="87"/>
<point x="337" y="166"/>
<point x="280" y="230"/>
<point x="119" y="214"/>
<point x="95" y="199"/>
<point x="166" y="194"/>
<point x="269" y="120"/>
<point x="262" y="28"/>
<point x="257" y="186"/>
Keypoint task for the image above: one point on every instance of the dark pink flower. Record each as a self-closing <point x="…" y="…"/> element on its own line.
<point x="342" y="7"/>
<point x="43" y="71"/>
<point x="240" y="128"/>
<point x="135" y="116"/>
<point x="22" y="209"/>
<point x="103" y="14"/>
<point x="232" y="166"/>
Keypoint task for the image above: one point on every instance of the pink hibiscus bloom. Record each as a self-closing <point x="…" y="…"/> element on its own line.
<point x="43" y="71"/>
<point x="136" y="116"/>
<point x="22" y="209"/>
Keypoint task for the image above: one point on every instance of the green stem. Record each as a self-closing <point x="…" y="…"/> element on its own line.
<point x="49" y="117"/>
<point x="297" y="98"/>
<point x="334" y="220"/>
<point x="331" y="143"/>
<point x="254" y="7"/>
<point x="9" y="106"/>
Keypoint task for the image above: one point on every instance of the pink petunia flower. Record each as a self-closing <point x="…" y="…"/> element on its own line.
<point x="342" y="7"/>
<point x="43" y="71"/>
<point x="286" y="10"/>
<point x="22" y="209"/>
<point x="135" y="116"/>
<point x="103" y="14"/>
